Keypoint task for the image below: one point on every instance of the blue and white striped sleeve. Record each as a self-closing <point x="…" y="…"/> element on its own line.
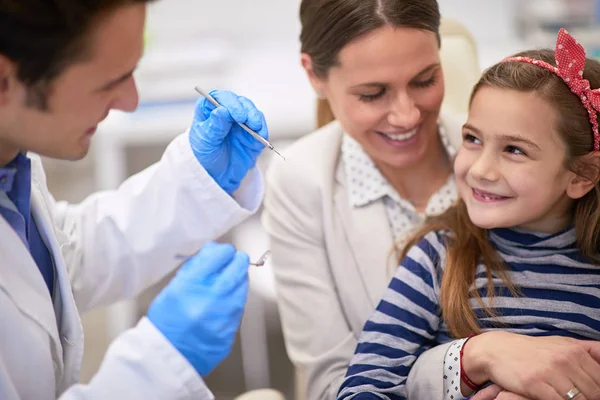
<point x="404" y="325"/>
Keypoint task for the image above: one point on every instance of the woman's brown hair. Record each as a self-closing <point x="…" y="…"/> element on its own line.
<point x="328" y="25"/>
<point x="468" y="244"/>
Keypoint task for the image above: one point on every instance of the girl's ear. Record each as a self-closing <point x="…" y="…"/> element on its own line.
<point x="587" y="178"/>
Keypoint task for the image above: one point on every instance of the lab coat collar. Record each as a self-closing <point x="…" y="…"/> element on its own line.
<point x="26" y="287"/>
<point x="67" y="315"/>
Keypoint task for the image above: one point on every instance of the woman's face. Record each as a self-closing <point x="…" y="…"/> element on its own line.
<point x="386" y="92"/>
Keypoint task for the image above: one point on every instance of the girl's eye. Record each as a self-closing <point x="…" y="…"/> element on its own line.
<point x="371" y="97"/>
<point x="424" y="84"/>
<point x="467" y="137"/>
<point x="514" y="150"/>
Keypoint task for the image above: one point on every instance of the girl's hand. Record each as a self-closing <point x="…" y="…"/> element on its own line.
<point x="489" y="393"/>
<point x="495" y="392"/>
<point x="504" y="395"/>
<point x="539" y="368"/>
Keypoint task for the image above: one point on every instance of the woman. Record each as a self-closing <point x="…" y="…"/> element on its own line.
<point x="352" y="189"/>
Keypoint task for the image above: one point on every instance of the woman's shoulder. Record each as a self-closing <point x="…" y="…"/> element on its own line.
<point x="323" y="143"/>
<point x="310" y="158"/>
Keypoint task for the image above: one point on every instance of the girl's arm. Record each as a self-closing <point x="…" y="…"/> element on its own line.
<point x="405" y="324"/>
<point x="538" y="368"/>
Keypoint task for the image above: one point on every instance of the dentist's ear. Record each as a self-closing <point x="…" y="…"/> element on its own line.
<point x="7" y="71"/>
<point x="316" y="82"/>
<point x="587" y="177"/>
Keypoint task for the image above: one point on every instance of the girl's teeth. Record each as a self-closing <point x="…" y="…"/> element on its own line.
<point x="402" y="136"/>
<point x="488" y="197"/>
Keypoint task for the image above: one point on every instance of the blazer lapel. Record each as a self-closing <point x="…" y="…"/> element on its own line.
<point x="370" y="239"/>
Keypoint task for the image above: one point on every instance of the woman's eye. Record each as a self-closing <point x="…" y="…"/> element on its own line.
<point x="514" y="150"/>
<point x="371" y="97"/>
<point x="426" y="83"/>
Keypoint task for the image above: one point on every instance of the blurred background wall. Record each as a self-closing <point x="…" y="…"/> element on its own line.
<point x="251" y="46"/>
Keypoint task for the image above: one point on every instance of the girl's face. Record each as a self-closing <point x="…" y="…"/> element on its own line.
<point x="386" y="92"/>
<point x="510" y="169"/>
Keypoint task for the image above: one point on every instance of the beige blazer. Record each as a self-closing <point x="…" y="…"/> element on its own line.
<point x="331" y="261"/>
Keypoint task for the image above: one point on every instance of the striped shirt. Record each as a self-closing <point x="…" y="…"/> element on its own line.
<point x="559" y="295"/>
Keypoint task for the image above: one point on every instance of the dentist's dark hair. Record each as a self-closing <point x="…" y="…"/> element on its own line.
<point x="43" y="37"/>
<point x="329" y="25"/>
<point x="469" y="244"/>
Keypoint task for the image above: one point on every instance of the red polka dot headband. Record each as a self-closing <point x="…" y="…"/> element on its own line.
<point x="570" y="60"/>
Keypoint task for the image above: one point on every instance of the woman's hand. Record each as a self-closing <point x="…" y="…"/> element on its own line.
<point x="539" y="368"/>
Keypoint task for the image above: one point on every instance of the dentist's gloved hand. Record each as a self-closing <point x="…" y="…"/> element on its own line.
<point x="200" y="310"/>
<point x="221" y="146"/>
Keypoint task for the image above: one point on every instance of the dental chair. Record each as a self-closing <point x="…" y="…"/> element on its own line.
<point x="461" y="72"/>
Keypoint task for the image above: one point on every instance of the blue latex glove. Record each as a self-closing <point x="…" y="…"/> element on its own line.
<point x="221" y="146"/>
<point x="200" y="310"/>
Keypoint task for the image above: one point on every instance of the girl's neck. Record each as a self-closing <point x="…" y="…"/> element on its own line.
<point x="557" y="220"/>
<point x="419" y="182"/>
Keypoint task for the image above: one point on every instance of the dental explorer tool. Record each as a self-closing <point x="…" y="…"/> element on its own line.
<point x="244" y="126"/>
<point x="261" y="261"/>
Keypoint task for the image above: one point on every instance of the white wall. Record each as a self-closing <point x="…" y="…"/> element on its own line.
<point x="244" y="20"/>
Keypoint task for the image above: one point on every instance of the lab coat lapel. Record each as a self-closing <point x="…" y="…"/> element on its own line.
<point x="22" y="280"/>
<point x="370" y="239"/>
<point x="71" y="330"/>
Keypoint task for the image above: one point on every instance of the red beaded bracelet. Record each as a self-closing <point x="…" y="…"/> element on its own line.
<point x="463" y="375"/>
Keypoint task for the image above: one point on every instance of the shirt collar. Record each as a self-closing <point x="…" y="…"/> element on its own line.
<point x="9" y="171"/>
<point x="365" y="182"/>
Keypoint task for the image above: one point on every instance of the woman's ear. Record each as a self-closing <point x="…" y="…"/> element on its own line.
<point x="587" y="176"/>
<point x="316" y="82"/>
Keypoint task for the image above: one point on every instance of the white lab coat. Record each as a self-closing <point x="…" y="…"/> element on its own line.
<point x="108" y="248"/>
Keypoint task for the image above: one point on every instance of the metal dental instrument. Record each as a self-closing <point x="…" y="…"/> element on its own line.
<point x="244" y="126"/>
<point x="261" y="261"/>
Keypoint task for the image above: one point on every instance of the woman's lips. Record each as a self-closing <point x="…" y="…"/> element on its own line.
<point x="399" y="139"/>
<point x="400" y="136"/>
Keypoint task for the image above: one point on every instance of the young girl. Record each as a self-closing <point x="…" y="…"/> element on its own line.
<point x="519" y="252"/>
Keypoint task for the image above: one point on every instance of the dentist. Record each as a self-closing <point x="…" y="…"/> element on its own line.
<point x="64" y="64"/>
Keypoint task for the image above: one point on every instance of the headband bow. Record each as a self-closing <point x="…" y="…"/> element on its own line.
<point x="570" y="60"/>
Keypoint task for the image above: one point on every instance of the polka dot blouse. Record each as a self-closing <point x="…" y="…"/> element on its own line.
<point x="367" y="185"/>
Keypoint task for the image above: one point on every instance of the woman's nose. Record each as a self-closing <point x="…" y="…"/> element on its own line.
<point x="404" y="112"/>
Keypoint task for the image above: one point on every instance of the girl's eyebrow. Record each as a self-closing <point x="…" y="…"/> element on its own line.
<point x="506" y="138"/>
<point x="520" y="139"/>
